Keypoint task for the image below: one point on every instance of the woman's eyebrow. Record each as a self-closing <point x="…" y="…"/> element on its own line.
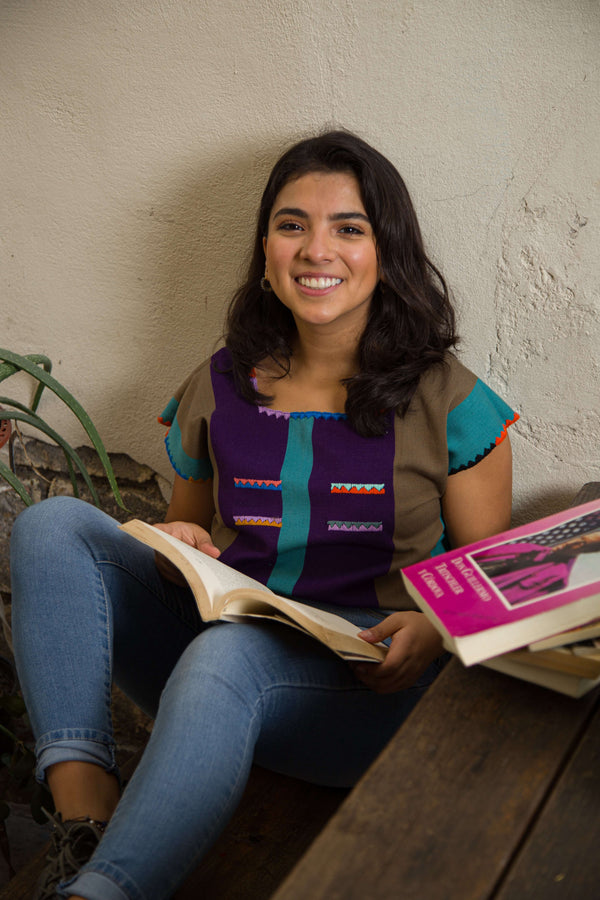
<point x="302" y="214"/>
<point x="291" y="211"/>
<point x="336" y="217"/>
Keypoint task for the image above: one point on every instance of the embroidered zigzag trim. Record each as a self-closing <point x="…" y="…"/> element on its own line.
<point x="258" y="520"/>
<point x="488" y="449"/>
<point x="504" y="431"/>
<point x="355" y="526"/>
<point x="179" y="471"/>
<point x="265" y="484"/>
<point x="474" y="461"/>
<point x="349" y="488"/>
<point x="300" y="415"/>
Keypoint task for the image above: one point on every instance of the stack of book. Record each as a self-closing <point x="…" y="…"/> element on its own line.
<point x="525" y="602"/>
<point x="568" y="662"/>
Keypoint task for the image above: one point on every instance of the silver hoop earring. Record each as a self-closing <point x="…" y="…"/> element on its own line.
<point x="265" y="285"/>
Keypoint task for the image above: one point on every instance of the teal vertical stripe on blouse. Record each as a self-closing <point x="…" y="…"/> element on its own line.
<point x="295" y="511"/>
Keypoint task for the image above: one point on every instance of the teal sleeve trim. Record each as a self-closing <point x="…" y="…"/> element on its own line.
<point x="169" y="412"/>
<point x="186" y="466"/>
<point x="476" y="426"/>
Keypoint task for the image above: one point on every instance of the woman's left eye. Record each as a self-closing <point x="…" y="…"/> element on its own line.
<point x="350" y="229"/>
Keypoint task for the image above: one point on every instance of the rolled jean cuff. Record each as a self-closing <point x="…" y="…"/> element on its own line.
<point x="75" y="745"/>
<point x="94" y="886"/>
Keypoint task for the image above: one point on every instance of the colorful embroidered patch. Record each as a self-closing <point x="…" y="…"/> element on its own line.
<point x="264" y="484"/>
<point x="258" y="520"/>
<point x="349" y="488"/>
<point x="355" y="526"/>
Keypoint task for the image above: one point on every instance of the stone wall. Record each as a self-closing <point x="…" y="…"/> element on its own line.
<point x="43" y="470"/>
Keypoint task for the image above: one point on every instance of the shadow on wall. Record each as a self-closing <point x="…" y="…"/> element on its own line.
<point x="190" y="243"/>
<point x="545" y="503"/>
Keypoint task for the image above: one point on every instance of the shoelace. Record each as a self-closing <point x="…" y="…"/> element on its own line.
<point x="73" y="842"/>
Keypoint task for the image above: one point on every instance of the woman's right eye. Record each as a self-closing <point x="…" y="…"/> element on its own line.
<point x="289" y="226"/>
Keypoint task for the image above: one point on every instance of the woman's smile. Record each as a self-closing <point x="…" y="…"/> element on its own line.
<point x="318" y="283"/>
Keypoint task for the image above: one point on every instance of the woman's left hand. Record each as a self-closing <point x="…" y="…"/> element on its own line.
<point x="415" y="644"/>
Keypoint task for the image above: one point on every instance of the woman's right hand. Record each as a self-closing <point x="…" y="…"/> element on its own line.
<point x="191" y="534"/>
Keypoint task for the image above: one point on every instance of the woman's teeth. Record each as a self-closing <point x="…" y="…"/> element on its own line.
<point x="319" y="284"/>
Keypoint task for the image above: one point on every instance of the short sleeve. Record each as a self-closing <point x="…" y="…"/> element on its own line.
<point x="187" y="416"/>
<point x="475" y="426"/>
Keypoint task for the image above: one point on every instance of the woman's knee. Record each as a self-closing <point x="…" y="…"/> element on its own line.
<point x="52" y="519"/>
<point x="226" y="654"/>
<point x="52" y="539"/>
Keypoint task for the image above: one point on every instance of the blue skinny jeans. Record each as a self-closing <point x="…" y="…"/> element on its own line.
<point x="90" y="607"/>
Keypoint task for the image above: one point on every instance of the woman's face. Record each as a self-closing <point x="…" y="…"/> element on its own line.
<point x="321" y="256"/>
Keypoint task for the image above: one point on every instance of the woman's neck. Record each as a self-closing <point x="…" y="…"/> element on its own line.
<point x="331" y="355"/>
<point x="318" y="367"/>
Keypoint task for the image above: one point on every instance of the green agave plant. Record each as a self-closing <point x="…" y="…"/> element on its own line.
<point x="16" y="754"/>
<point x="40" y="367"/>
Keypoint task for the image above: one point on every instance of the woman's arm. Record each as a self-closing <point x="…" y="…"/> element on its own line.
<point x="188" y="518"/>
<point x="192" y="501"/>
<point x="477" y="504"/>
<point x="478" y="501"/>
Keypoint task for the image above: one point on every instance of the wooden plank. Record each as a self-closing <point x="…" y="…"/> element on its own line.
<point x="275" y="823"/>
<point x="561" y="860"/>
<point x="21" y="886"/>
<point x="446" y="805"/>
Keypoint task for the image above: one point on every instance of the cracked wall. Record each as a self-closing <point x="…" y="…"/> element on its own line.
<point x="548" y="340"/>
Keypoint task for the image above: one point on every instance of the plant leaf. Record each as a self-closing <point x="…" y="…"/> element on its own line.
<point x="8" y="475"/>
<point x="37" y="422"/>
<point x="29" y="364"/>
<point x="9" y="369"/>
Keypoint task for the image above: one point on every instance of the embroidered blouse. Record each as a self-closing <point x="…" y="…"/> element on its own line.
<point x="314" y="510"/>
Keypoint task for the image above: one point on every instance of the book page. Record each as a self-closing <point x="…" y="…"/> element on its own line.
<point x="336" y="632"/>
<point x="239" y="603"/>
<point x="218" y="579"/>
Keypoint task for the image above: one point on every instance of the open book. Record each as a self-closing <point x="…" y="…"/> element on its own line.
<point x="224" y="593"/>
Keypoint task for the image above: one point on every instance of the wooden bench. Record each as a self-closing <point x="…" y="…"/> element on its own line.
<point x="491" y="789"/>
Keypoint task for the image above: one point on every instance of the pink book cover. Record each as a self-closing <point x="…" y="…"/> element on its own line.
<point x="516" y="587"/>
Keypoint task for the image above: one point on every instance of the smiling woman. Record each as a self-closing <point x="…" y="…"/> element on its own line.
<point x="332" y="440"/>
<point x="360" y="205"/>
<point x="321" y="256"/>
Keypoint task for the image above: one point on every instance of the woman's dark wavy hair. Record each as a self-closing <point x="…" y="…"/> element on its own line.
<point x="411" y="320"/>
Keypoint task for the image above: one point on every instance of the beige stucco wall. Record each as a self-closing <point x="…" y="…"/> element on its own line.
<point x="136" y="137"/>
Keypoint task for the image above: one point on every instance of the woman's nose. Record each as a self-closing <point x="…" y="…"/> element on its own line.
<point x="318" y="245"/>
